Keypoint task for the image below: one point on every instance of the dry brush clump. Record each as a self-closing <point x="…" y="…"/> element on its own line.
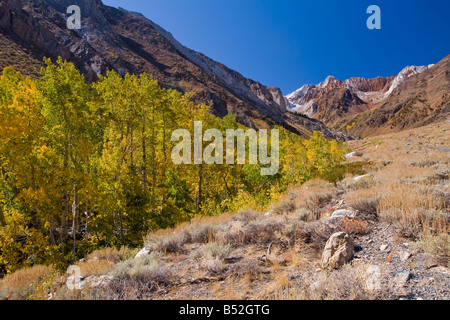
<point x="355" y="227"/>
<point x="23" y="283"/>
<point x="366" y="208"/>
<point x="313" y="196"/>
<point x="212" y="250"/>
<point x="111" y="254"/>
<point x="414" y="209"/>
<point x="202" y="233"/>
<point x="145" y="274"/>
<point x="347" y="283"/>
<point x="174" y="243"/>
<point x="261" y="232"/>
<point x="438" y="245"/>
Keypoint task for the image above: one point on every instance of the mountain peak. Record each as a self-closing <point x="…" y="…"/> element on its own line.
<point x="335" y="102"/>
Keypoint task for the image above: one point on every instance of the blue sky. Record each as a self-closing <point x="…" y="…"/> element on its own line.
<point x="291" y="43"/>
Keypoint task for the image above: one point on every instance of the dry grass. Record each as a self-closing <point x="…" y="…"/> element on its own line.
<point x="414" y="209"/>
<point x="21" y="284"/>
<point x="367" y="208"/>
<point x="411" y="181"/>
<point x="108" y="254"/>
<point x="252" y="256"/>
<point x="348" y="283"/>
<point x="312" y="195"/>
<point x="95" y="268"/>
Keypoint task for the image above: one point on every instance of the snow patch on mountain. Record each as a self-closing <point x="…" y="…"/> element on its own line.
<point x="303" y="100"/>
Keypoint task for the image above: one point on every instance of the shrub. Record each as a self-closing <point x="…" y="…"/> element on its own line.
<point x="285" y="207"/>
<point x="435" y="245"/>
<point x="367" y="208"/>
<point x="203" y="233"/>
<point x="262" y="232"/>
<point x="168" y="244"/>
<point x="317" y="234"/>
<point x="317" y="200"/>
<point x="355" y="226"/>
<point x="147" y="269"/>
<point x="305" y="215"/>
<point x="136" y="279"/>
<point x="423" y="163"/>
<point x="215" y="266"/>
<point x="216" y="250"/>
<point x="363" y="183"/>
<point x="247" y="216"/>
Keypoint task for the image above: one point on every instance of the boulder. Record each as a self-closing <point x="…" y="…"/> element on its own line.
<point x="338" y="251"/>
<point x="344" y="213"/>
<point x="78" y="283"/>
<point x="98" y="281"/>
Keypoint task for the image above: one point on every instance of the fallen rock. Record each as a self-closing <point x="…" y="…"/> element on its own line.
<point x="373" y="282"/>
<point x="344" y="213"/>
<point x="401" y="278"/>
<point x="338" y="251"/>
<point x="75" y="282"/>
<point x="442" y="149"/>
<point x="98" y="282"/>
<point x="384" y="247"/>
<point x="269" y="213"/>
<point x="356" y="179"/>
<point x="142" y="253"/>
<point x="405" y="255"/>
<point x="354" y="154"/>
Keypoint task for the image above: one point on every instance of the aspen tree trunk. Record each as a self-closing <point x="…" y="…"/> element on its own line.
<point x="52" y="236"/>
<point x="131" y="145"/>
<point x="65" y="202"/>
<point x="198" y="201"/>
<point x="144" y="160"/>
<point x="34" y="217"/>
<point x="153" y="164"/>
<point x="75" y="220"/>
<point x="2" y="218"/>
<point x="164" y="140"/>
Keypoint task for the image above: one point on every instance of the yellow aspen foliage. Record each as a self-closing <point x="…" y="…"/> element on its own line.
<point x="87" y="166"/>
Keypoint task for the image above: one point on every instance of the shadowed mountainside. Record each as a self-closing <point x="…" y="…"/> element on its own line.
<point x="127" y="42"/>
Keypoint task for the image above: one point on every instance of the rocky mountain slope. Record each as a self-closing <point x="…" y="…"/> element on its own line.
<point x="128" y="42"/>
<point x="415" y="97"/>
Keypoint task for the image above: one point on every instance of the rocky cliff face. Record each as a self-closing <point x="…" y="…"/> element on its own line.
<point x="372" y="106"/>
<point x="128" y="42"/>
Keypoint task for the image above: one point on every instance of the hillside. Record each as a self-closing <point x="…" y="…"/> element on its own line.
<point x="121" y="178"/>
<point x="127" y="42"/>
<point x="396" y="216"/>
<point x="417" y="96"/>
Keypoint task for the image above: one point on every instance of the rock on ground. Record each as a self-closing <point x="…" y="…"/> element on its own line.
<point x="338" y="251"/>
